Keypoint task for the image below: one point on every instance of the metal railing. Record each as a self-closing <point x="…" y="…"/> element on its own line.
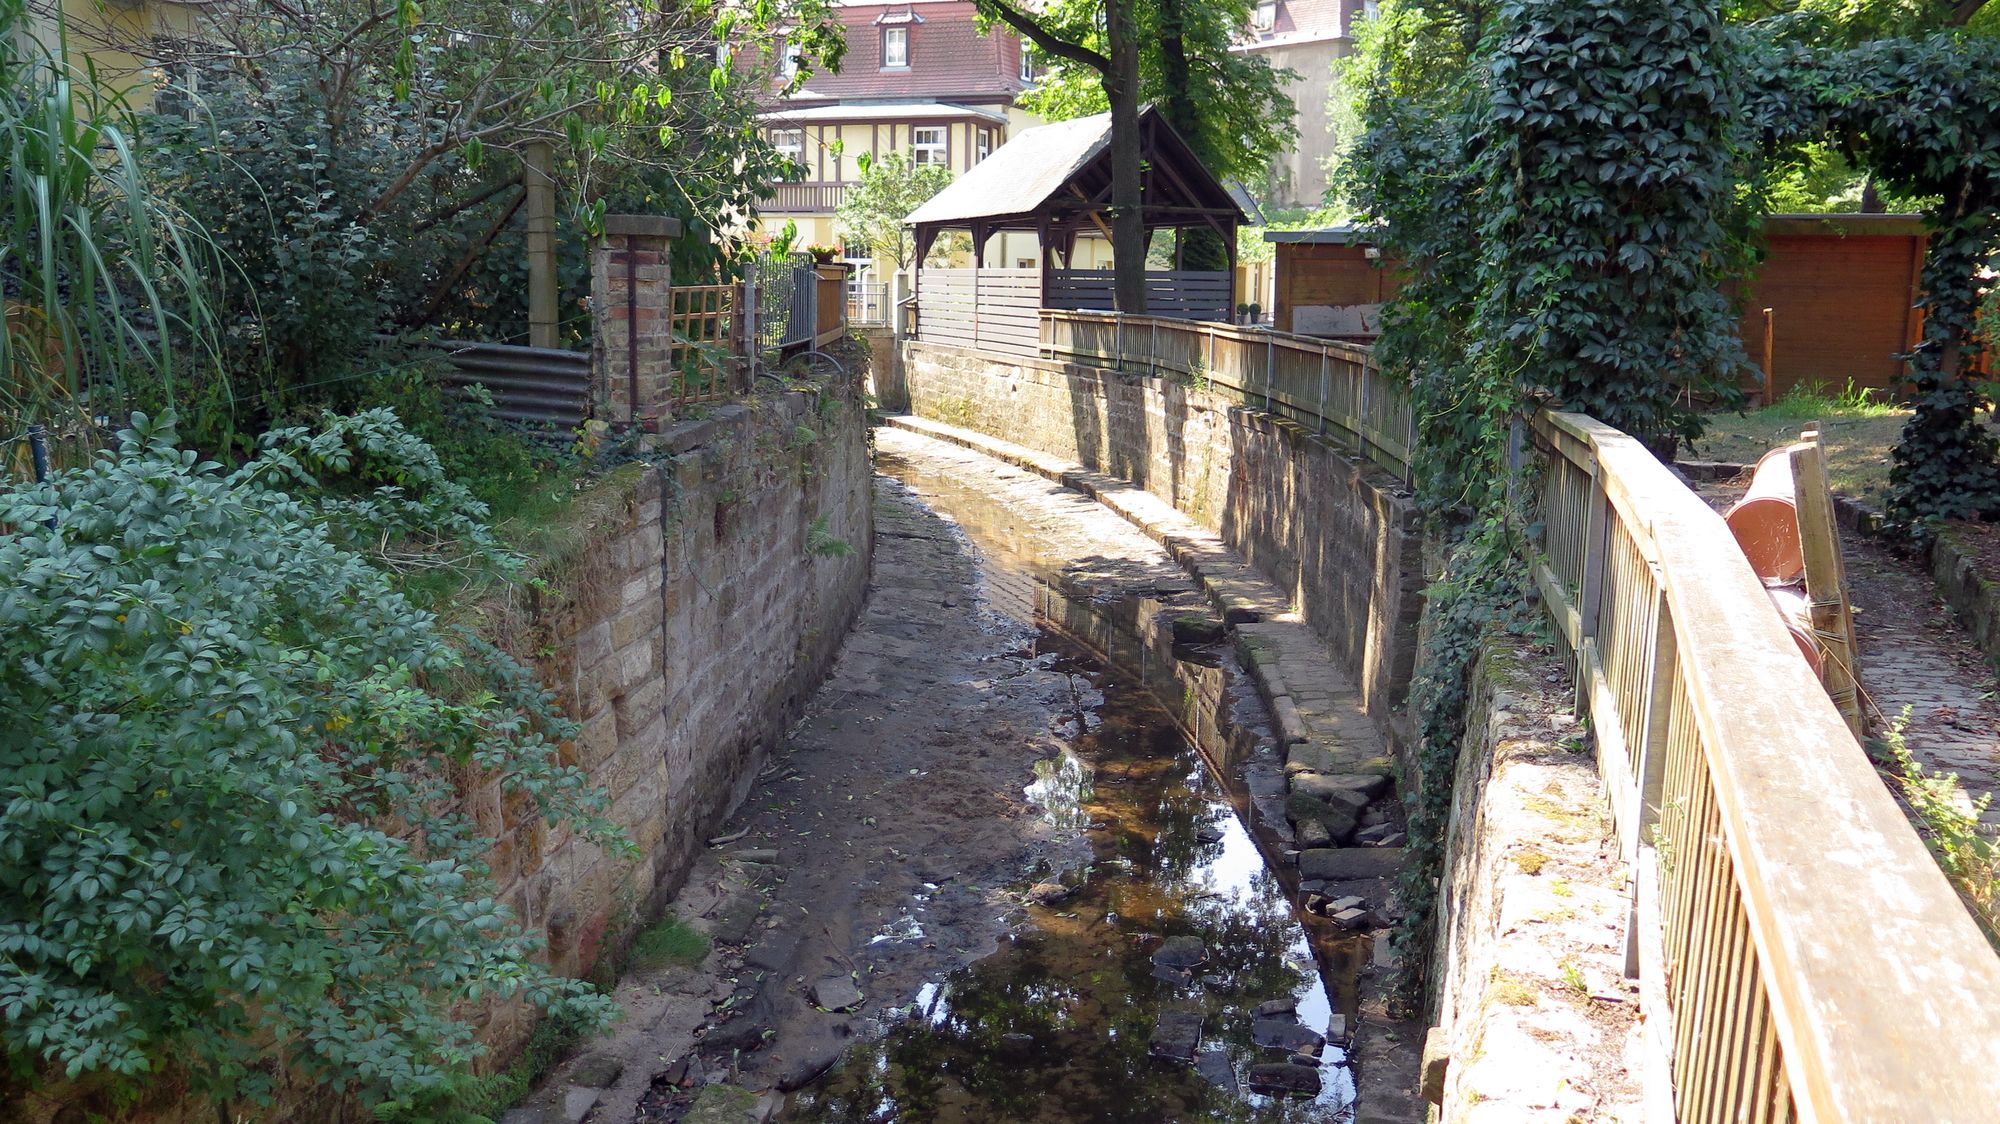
<point x="1329" y="386"/>
<point x="1815" y="963"/>
<point x="867" y="302"/>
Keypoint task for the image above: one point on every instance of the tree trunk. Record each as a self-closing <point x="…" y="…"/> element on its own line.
<point x="1128" y="222"/>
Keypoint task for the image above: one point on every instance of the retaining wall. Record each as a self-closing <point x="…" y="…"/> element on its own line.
<point x="686" y="640"/>
<point x="1340" y="538"/>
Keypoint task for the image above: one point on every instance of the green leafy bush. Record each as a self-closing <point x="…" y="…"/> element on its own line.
<point x="230" y="756"/>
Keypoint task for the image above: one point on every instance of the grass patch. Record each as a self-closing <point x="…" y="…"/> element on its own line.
<point x="1512" y="990"/>
<point x="1531" y="862"/>
<point x="668" y="943"/>
<point x="1858" y="428"/>
<point x="1573" y="977"/>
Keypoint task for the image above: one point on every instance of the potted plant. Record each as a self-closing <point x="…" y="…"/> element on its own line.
<point x="822" y="255"/>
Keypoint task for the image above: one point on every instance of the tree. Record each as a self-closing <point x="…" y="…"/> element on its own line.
<point x="229" y="752"/>
<point x="1230" y="106"/>
<point x="871" y="216"/>
<point x="1066" y="32"/>
<point x="363" y="161"/>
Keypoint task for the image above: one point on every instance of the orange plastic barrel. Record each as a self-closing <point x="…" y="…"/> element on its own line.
<point x="1766" y="522"/>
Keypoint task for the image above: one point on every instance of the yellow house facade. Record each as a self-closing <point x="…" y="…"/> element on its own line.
<point x="124" y="42"/>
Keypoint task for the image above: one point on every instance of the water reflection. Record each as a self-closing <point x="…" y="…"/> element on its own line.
<point x="1056" y="1025"/>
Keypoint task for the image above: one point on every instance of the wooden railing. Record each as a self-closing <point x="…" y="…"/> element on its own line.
<point x="806" y="198"/>
<point x="1801" y="955"/>
<point x="703" y="352"/>
<point x="1329" y="386"/>
<point x="1174" y="294"/>
<point x="1815" y="963"/>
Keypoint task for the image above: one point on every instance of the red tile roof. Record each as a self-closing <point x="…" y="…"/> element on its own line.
<point x="949" y="59"/>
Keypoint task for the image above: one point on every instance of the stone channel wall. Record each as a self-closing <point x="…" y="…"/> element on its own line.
<point x="686" y="639"/>
<point x="1533" y="1018"/>
<point x="1338" y="537"/>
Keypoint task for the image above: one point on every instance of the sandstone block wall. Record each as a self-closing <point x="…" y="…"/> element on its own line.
<point x="686" y="639"/>
<point x="1340" y="538"/>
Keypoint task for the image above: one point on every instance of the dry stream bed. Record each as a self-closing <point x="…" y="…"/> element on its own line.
<point x="1021" y="861"/>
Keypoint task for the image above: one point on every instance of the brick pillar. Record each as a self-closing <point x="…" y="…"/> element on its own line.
<point x="631" y="298"/>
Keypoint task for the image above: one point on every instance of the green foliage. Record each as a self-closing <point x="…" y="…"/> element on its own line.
<point x="1481" y="589"/>
<point x="1565" y="204"/>
<point x="363" y="167"/>
<point x="669" y="942"/>
<point x="870" y="218"/>
<point x="103" y="282"/>
<point x="1230" y="106"/>
<point x="1966" y="848"/>
<point x="230" y="755"/>
<point x="1920" y="115"/>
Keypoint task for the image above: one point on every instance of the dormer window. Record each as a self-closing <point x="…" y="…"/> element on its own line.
<point x="791" y="59"/>
<point x="895" y="47"/>
<point x="1266" y="16"/>
<point x="1027" y="63"/>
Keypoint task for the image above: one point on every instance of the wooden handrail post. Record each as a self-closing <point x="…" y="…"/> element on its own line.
<point x="1323" y="376"/>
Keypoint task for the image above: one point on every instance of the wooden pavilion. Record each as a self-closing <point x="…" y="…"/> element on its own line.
<point x="1054" y="182"/>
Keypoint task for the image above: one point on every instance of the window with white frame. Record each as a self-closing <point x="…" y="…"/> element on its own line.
<point x="984" y="147"/>
<point x="1027" y="63"/>
<point x="927" y="144"/>
<point x="1266" y="16"/>
<point x="895" y="46"/>
<point x="791" y="59"/>
<point x="790" y="143"/>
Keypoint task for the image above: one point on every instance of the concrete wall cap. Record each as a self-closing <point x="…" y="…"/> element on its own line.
<point x="643" y="226"/>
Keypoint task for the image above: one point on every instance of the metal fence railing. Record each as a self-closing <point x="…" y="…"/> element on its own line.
<point x="867" y="303"/>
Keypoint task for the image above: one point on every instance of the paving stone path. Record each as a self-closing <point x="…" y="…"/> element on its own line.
<point x="1915" y="654"/>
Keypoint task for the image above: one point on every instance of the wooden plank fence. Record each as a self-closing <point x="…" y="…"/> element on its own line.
<point x="986" y="309"/>
<point x="1179" y="294"/>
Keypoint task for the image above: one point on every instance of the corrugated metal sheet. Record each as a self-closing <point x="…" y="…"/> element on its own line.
<point x="530" y="385"/>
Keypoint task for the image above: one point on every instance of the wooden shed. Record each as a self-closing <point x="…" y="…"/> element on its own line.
<point x="1841" y="292"/>
<point x="1055" y="181"/>
<point x="1329" y="282"/>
